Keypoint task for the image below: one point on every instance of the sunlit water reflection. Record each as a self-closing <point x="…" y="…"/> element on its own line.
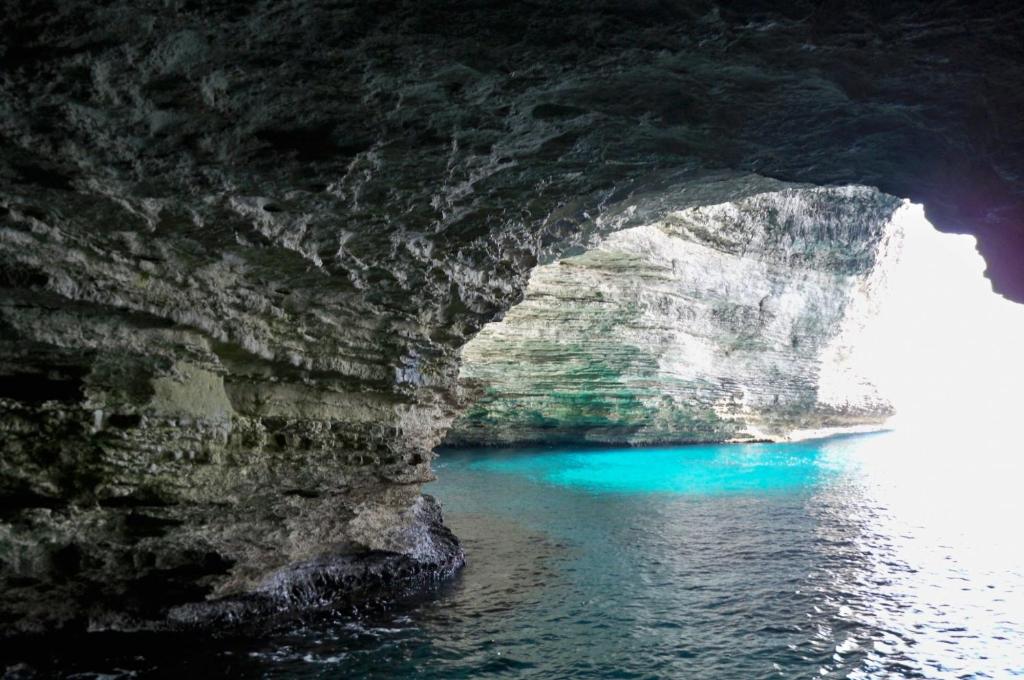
<point x="879" y="556"/>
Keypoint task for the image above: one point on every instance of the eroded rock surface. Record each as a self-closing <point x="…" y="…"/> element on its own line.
<point x="241" y="244"/>
<point x="716" y="323"/>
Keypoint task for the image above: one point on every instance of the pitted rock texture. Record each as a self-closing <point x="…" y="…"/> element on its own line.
<point x="714" y="324"/>
<point x="241" y="244"/>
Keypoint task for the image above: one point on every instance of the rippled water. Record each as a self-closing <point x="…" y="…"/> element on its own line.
<point x="878" y="556"/>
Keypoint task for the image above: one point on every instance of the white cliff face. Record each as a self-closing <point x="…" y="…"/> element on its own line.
<point x="712" y="324"/>
<point x="849" y="374"/>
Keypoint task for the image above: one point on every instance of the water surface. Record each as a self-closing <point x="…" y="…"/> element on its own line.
<point x="879" y="556"/>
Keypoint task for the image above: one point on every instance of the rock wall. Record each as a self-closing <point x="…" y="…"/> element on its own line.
<point x="149" y="463"/>
<point x="714" y="324"/>
<point x="242" y="243"/>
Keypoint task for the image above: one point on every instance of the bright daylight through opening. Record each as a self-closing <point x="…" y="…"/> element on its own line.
<point x="942" y="346"/>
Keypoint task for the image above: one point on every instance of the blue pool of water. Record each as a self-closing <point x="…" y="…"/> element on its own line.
<point x="695" y="470"/>
<point x="876" y="556"/>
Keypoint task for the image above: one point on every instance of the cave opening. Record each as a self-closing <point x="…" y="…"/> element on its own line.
<point x="845" y="311"/>
<point x="853" y="382"/>
<point x="941" y="344"/>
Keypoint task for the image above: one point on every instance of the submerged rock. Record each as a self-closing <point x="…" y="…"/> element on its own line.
<point x="715" y="323"/>
<point x="376" y="576"/>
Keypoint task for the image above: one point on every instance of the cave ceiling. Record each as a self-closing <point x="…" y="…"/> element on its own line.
<point x="385" y="146"/>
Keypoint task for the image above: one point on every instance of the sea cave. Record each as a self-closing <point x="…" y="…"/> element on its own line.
<point x="472" y="339"/>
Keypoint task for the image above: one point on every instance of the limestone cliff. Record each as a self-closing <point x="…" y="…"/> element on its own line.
<point x="713" y="324"/>
<point x="242" y="244"/>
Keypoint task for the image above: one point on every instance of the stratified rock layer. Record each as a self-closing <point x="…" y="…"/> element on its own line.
<point x="241" y="244"/>
<point x="714" y="324"/>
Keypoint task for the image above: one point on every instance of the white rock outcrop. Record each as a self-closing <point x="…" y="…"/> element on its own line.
<point x="724" y="322"/>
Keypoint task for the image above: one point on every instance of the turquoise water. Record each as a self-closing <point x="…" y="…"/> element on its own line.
<point x="880" y="556"/>
<point x="696" y="470"/>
